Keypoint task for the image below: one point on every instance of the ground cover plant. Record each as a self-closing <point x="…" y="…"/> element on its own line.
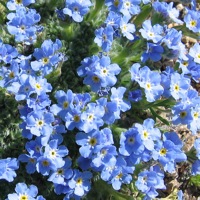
<point x="99" y="99"/>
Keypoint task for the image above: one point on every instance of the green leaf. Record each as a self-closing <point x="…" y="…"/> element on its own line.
<point x="195" y="180"/>
<point x="159" y="117"/>
<point x="146" y="10"/>
<point x="187" y="32"/>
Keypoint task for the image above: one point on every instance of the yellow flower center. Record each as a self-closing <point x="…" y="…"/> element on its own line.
<point x="124" y="27"/>
<point x="116" y="3"/>
<point x="145" y="134"/>
<point x="151" y="34"/>
<point x="95" y="79"/>
<point x="127" y="4"/>
<point x="193" y="23"/>
<point x="90" y="117"/>
<point x="76" y="118"/>
<point x="18" y="1"/>
<point x="148" y="85"/>
<point x="93" y="141"/>
<point x="40" y="122"/>
<point x="65" y="104"/>
<point x="104" y="71"/>
<point x="183" y="114"/>
<point x="103" y="152"/>
<point x="52" y="153"/>
<point x="45" y="61"/>
<point x="196" y="115"/>
<point x="119" y="175"/>
<point x="185" y="63"/>
<point x="176" y="87"/>
<point x="38" y="86"/>
<point x="198" y="55"/>
<point x="79" y="181"/>
<point x="23" y="197"/>
<point x="60" y="171"/>
<point x="45" y="163"/>
<point x="163" y="152"/>
<point x="11" y="75"/>
<point x="32" y="160"/>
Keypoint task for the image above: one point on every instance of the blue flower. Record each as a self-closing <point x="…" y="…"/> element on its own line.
<point x="149" y="181"/>
<point x="169" y="152"/>
<point x="92" y="117"/>
<point x="45" y="165"/>
<point x="56" y="153"/>
<point x="165" y="80"/>
<point x="40" y="102"/>
<point x="60" y="14"/>
<point x="147" y="133"/>
<point x="13" y="4"/>
<point x="117" y="95"/>
<point x="65" y="103"/>
<point x="23" y="89"/>
<point x="7" y="52"/>
<point x="35" y="146"/>
<point x="76" y="9"/>
<point x="113" y="19"/>
<point x="7" y="169"/>
<point x="61" y="174"/>
<point x="194" y="125"/>
<point x="73" y="119"/>
<point x="149" y="80"/>
<point x="113" y="5"/>
<point x="24" y="192"/>
<point x="191" y="20"/>
<point x="80" y="182"/>
<point x="167" y="10"/>
<point x="127" y="29"/>
<point x="90" y="142"/>
<point x="107" y="71"/>
<point x="103" y="156"/>
<point x="104" y="38"/>
<point x="130" y="7"/>
<point x="40" y="85"/>
<point x="99" y="72"/>
<point x="116" y="172"/>
<point x="172" y="38"/>
<point x="22" y="25"/>
<point x="150" y="32"/>
<point x="197" y="147"/>
<point x="195" y="52"/>
<point x="47" y="57"/>
<point x="39" y="122"/>
<point x="130" y="142"/>
<point x="110" y="108"/>
<point x="179" y="85"/>
<point x="9" y="74"/>
<point x="121" y="174"/>
<point x="31" y="161"/>
<point x="195" y="168"/>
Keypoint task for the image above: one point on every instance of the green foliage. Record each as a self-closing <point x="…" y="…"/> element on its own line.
<point x="195" y="180"/>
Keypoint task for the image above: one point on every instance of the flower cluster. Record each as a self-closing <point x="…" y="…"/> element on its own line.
<point x="139" y="64"/>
